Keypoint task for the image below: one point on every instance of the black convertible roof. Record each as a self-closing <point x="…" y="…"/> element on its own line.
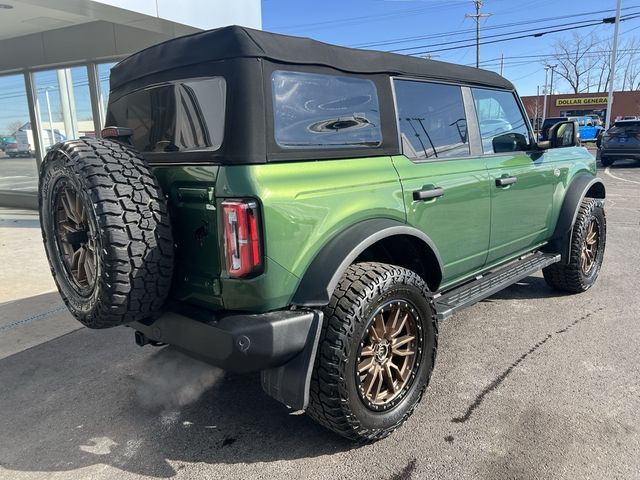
<point x="241" y="42"/>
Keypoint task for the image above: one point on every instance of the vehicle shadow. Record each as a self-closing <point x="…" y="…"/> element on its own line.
<point x="92" y="397"/>
<point x="526" y="289"/>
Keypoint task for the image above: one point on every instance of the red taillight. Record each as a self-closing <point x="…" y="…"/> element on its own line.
<point x="241" y="237"/>
<point x="116" y="132"/>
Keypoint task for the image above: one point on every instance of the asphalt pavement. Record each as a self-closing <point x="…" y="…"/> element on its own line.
<point x="529" y="384"/>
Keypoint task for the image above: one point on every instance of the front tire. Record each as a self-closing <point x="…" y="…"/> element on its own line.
<point x="586" y="252"/>
<point x="376" y="354"/>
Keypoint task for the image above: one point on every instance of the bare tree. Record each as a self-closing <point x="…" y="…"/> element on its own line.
<point x="583" y="63"/>
<point x="13" y="126"/>
<point x="575" y="64"/>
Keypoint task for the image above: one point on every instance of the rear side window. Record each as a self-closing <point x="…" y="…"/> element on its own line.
<point x="325" y="111"/>
<point x="503" y="128"/>
<point x="180" y="116"/>
<point x="431" y="119"/>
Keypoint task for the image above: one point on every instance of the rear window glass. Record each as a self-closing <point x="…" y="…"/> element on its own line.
<point x="180" y="116"/>
<point x="629" y="125"/>
<point x="324" y="111"/>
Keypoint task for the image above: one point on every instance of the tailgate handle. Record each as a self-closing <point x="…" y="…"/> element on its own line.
<point x="505" y="181"/>
<point x="428" y="194"/>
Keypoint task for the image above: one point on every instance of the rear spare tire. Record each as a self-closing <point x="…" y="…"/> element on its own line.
<point x="106" y="232"/>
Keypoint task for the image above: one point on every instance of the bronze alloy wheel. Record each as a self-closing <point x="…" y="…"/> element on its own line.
<point x="589" y="247"/>
<point x="389" y="355"/>
<point x="75" y="236"/>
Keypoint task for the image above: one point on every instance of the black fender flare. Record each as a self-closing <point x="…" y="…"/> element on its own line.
<point x="560" y="241"/>
<point x="328" y="266"/>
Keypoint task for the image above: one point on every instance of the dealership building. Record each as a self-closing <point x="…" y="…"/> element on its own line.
<point x="55" y="58"/>
<point x="624" y="104"/>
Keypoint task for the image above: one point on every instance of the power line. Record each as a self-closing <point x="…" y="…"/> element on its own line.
<point x="491" y="27"/>
<point x="535" y="35"/>
<point x="364" y="18"/>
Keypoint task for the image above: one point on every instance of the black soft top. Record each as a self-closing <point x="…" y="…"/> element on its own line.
<point x="241" y="42"/>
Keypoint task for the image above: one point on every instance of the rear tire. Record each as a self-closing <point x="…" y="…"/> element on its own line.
<point x="606" y="161"/>
<point x="355" y="353"/>
<point x="106" y="232"/>
<point x="586" y="253"/>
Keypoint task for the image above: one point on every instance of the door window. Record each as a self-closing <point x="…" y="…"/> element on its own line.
<point x="431" y="119"/>
<point x="503" y="128"/>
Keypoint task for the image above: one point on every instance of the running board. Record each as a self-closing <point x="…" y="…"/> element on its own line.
<point x="486" y="285"/>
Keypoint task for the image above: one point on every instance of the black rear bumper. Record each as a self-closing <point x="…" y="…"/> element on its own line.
<point x="281" y="344"/>
<point x="235" y="342"/>
<point x="631" y="153"/>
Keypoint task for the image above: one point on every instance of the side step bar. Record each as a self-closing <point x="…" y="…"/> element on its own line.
<point x="492" y="282"/>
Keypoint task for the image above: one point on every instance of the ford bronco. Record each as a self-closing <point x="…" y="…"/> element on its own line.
<point x="276" y="204"/>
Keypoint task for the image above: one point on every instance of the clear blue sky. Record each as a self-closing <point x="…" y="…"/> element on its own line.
<point x="361" y="22"/>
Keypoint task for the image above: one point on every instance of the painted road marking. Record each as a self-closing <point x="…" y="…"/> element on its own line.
<point x="608" y="172"/>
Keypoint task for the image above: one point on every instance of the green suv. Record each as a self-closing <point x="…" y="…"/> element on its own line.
<point x="276" y="204"/>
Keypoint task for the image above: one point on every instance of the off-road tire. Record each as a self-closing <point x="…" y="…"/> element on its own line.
<point x="334" y="399"/>
<point x="570" y="277"/>
<point x="128" y="223"/>
<point x="606" y="161"/>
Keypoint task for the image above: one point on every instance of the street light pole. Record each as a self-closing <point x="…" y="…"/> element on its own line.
<point x="546" y="90"/>
<point x="614" y="52"/>
<point x="52" y="140"/>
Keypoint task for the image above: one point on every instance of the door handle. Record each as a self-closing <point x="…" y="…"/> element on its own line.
<point x="505" y="181"/>
<point x="428" y="194"/>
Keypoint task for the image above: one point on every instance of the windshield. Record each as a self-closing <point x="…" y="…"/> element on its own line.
<point x="186" y="115"/>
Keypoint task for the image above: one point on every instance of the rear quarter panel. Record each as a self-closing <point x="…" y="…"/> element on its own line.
<point x="304" y="204"/>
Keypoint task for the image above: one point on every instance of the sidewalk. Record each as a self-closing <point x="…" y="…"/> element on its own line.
<point x="24" y="271"/>
<point x="31" y="311"/>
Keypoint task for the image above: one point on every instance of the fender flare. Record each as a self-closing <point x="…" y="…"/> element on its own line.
<point x="560" y="241"/>
<point x="328" y="266"/>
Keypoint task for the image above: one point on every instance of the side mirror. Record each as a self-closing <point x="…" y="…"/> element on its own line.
<point x="509" y="142"/>
<point x="563" y="134"/>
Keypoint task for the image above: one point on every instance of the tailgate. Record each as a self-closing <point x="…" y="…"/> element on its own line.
<point x="194" y="221"/>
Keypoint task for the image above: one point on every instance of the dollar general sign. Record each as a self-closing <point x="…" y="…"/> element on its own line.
<point x="563" y="102"/>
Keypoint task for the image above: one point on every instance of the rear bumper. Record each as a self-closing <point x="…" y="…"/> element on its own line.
<point x="620" y="153"/>
<point x="281" y="344"/>
<point x="235" y="342"/>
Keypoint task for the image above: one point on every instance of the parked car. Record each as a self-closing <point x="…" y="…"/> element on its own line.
<point x="596" y="120"/>
<point x="589" y="130"/>
<point x="548" y="123"/>
<point x="621" y="141"/>
<point x="309" y="211"/>
<point x="11" y="149"/>
<point x="26" y="143"/>
<point x="6" y="140"/>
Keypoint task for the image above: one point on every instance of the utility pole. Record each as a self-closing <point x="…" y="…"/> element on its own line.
<point x="614" y="53"/>
<point x="548" y="67"/>
<point x="546" y="90"/>
<point x="477" y="16"/>
<point x="501" y="64"/>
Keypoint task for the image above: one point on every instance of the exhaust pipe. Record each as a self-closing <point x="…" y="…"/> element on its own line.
<point x="141" y="339"/>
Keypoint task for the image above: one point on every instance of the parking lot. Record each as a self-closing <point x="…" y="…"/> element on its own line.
<point x="18" y="174"/>
<point x="528" y="384"/>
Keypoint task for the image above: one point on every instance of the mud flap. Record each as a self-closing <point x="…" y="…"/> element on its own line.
<point x="289" y="383"/>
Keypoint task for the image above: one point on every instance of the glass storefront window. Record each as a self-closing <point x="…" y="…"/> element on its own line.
<point x="65" y="104"/>
<point x="18" y="168"/>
